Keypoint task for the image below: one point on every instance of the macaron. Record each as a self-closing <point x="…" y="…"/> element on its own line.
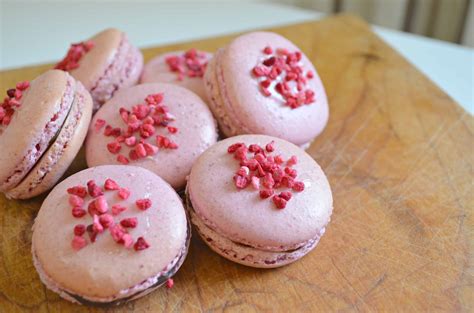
<point x="104" y="64"/>
<point x="160" y="127"/>
<point x="261" y="83"/>
<point x="258" y="200"/>
<point x="109" y="234"/>
<point x="183" y="68"/>
<point x="43" y="124"/>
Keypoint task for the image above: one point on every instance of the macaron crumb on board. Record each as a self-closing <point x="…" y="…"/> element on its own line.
<point x="397" y="154"/>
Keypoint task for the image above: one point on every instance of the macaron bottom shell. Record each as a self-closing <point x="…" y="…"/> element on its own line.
<point x="246" y="254"/>
<point x="229" y="125"/>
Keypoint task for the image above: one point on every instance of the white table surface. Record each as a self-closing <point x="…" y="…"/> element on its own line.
<point x="39" y="32"/>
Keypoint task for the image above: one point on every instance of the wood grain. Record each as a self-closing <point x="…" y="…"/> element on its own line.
<point x="398" y="154"/>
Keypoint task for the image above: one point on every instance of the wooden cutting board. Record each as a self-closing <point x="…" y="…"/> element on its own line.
<point x="399" y="156"/>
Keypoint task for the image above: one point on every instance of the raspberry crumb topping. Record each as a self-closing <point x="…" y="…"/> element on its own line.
<point x="169" y="283"/>
<point x="79" y="229"/>
<point x="141" y="244"/>
<point x="265" y="172"/>
<point x="102" y="218"/>
<point x="78" y="212"/>
<point x="117" y="209"/>
<point x="99" y="124"/>
<point x="126" y="241"/>
<point x="130" y="222"/>
<point x="123" y="193"/>
<point x="122" y="159"/>
<point x="78" y="191"/>
<point x="110" y="185"/>
<point x="93" y="189"/>
<point x="76" y="201"/>
<point x="106" y="220"/>
<point x="74" y="55"/>
<point x="12" y="102"/>
<point x="191" y="63"/>
<point x="138" y="134"/>
<point x="283" y="72"/>
<point x="78" y="243"/>
<point x="143" y="204"/>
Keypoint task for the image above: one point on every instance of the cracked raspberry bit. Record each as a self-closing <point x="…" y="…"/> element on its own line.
<point x="101" y="205"/>
<point x="78" y="212"/>
<point x="80" y="191"/>
<point x="117" y="209"/>
<point x="12" y="102"/>
<point x="141" y="244"/>
<point x="191" y="63"/>
<point x="93" y="189"/>
<point x="117" y="232"/>
<point x="76" y="201"/>
<point x="144" y="130"/>
<point x="79" y="229"/>
<point x="74" y="55"/>
<point x="143" y="204"/>
<point x="130" y="222"/>
<point x="106" y="220"/>
<point x="99" y="124"/>
<point x="265" y="172"/>
<point x="78" y="243"/>
<point x="280" y="202"/>
<point x="123" y="193"/>
<point x="282" y="75"/>
<point x="110" y="184"/>
<point x="126" y="241"/>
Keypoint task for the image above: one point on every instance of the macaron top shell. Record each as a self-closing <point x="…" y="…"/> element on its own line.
<point x="44" y="107"/>
<point x="196" y="131"/>
<point x="158" y="71"/>
<point x="104" y="268"/>
<point x="95" y="62"/>
<point x="257" y="113"/>
<point x="242" y="216"/>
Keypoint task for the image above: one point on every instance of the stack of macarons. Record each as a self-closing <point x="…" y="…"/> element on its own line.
<point x="118" y="230"/>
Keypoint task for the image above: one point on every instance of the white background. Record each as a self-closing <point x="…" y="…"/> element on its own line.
<point x="37" y="32"/>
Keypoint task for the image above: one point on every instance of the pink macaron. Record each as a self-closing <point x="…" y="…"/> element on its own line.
<point x="261" y="83"/>
<point x="258" y="200"/>
<point x="161" y="127"/>
<point x="109" y="234"/>
<point x="104" y="63"/>
<point x="42" y="127"/>
<point x="183" y="68"/>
